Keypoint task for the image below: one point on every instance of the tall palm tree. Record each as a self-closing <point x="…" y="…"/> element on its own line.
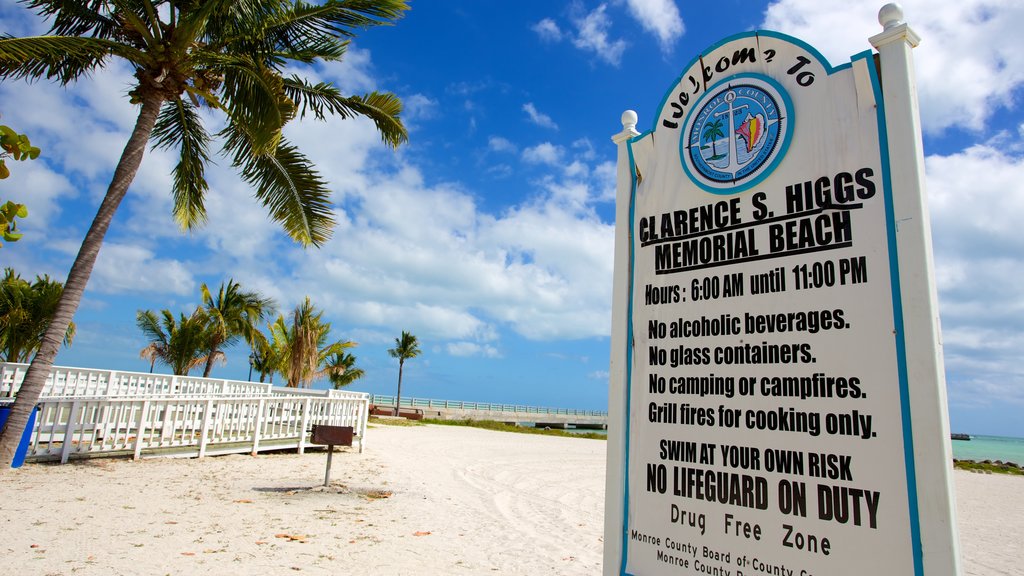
<point x="349" y="372"/>
<point x="302" y="348"/>
<point x="25" y="313"/>
<point x="405" y="348"/>
<point x="179" y="343"/>
<point x="233" y="314"/>
<point x="227" y="55"/>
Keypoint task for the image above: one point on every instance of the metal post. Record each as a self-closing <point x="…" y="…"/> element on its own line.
<point x="330" y="454"/>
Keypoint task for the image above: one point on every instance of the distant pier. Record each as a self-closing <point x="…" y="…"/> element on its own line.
<point x="519" y="415"/>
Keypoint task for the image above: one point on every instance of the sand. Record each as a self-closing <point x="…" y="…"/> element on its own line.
<point x="419" y="501"/>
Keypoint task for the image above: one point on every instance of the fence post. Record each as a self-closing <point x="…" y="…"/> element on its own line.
<point x="206" y="424"/>
<point x="140" y="429"/>
<point x="362" y="414"/>
<point x="259" y="427"/>
<point x="305" y="423"/>
<point x="65" y="449"/>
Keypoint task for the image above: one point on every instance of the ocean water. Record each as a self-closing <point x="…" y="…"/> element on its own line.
<point x="990" y="448"/>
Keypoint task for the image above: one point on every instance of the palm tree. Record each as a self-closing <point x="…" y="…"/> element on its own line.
<point x="264" y="357"/>
<point x="150" y="353"/>
<point x="233" y="314"/>
<point x="405" y="347"/>
<point x="227" y="55"/>
<point x="349" y="372"/>
<point x="178" y="343"/>
<point x="25" y="313"/>
<point x="301" y="347"/>
<point x="713" y="132"/>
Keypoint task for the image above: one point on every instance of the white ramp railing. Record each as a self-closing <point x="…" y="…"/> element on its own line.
<point x="65" y="381"/>
<point x="105" y="412"/>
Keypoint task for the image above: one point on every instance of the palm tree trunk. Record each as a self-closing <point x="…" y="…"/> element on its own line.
<point x="209" y="361"/>
<point x="78" y="277"/>
<point x="398" y="398"/>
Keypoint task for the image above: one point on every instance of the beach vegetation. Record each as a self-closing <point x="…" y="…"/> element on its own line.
<point x="989" y="467"/>
<point x="13" y="146"/>
<point x="25" y="312"/>
<point x="349" y="372"/>
<point x="406" y="347"/>
<point x="301" y="347"/>
<point x="180" y="343"/>
<point x="233" y="314"/>
<point x="239" y="58"/>
<point x="506" y="427"/>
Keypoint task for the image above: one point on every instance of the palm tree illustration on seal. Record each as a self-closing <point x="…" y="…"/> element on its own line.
<point x="712" y="132"/>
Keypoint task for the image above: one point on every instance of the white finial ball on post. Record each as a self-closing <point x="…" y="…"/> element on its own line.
<point x="629" y="119"/>
<point x="890" y="15"/>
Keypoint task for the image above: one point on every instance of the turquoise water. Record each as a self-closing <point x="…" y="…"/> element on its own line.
<point x="990" y="448"/>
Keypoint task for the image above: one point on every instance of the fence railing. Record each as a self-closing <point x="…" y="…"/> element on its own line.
<point x="66" y="381"/>
<point x="379" y="399"/>
<point x="89" y="412"/>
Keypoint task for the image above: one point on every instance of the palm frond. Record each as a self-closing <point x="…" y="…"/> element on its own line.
<point x="254" y="96"/>
<point x="287" y="184"/>
<point x="179" y="125"/>
<point x="324" y="98"/>
<point x="338" y="17"/>
<point x="77" y="18"/>
<point x="384" y="109"/>
<point x="63" y="58"/>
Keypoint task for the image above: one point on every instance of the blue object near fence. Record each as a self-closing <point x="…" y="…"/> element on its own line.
<point x="26" y="437"/>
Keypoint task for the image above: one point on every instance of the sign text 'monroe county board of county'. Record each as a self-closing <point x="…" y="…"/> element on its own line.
<point x="766" y="405"/>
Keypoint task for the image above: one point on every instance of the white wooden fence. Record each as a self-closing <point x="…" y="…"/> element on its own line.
<point x="64" y="381"/>
<point x="100" y="412"/>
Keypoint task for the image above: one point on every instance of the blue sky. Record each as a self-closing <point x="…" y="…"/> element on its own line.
<point x="489" y="236"/>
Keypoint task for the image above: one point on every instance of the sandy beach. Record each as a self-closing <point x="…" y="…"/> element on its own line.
<point x="420" y="500"/>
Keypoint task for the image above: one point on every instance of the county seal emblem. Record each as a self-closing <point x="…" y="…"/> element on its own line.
<point x="736" y="134"/>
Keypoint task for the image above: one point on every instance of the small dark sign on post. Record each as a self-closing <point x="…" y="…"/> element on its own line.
<point x="331" y="436"/>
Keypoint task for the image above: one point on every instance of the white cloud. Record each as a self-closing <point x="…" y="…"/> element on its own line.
<point x="352" y="75"/>
<point x="660" y="17"/>
<point x="472" y="349"/>
<point x="548" y="30"/>
<point x="544" y="153"/>
<point x="538" y="118"/>
<point x="965" y="67"/>
<point x="123" y="268"/>
<point x="592" y="35"/>
<point x="499" y="144"/>
<point x="979" y="266"/>
<point x="418" y="107"/>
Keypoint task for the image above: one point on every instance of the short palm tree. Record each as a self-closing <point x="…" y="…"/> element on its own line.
<point x="179" y="343"/>
<point x="25" y="313"/>
<point x="226" y="55"/>
<point x="349" y="372"/>
<point x="264" y="357"/>
<point x="302" y="348"/>
<point x="233" y="314"/>
<point x="405" y="348"/>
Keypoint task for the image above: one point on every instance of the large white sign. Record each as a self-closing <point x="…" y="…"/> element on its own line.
<point x="768" y="423"/>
